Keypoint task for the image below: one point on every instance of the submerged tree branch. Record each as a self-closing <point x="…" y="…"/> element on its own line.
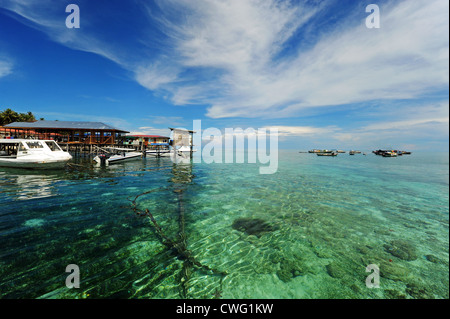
<point x="178" y="247"/>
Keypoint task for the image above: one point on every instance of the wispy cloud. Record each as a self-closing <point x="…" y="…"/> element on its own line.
<point x="241" y="41"/>
<point x="167" y="120"/>
<point x="299" y="131"/>
<point x="391" y="127"/>
<point x="149" y="130"/>
<point x="232" y="44"/>
<point x="231" y="55"/>
<point x="5" y="68"/>
<point x="422" y="122"/>
<point x="402" y="60"/>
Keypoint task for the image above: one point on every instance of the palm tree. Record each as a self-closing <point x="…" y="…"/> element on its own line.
<point x="8" y="116"/>
<point x="28" y="117"/>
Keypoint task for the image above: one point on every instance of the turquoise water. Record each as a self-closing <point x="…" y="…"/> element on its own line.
<point x="308" y="231"/>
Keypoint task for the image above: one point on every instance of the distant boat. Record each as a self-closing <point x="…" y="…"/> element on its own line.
<point x="116" y="154"/>
<point x="27" y="153"/>
<point x="390" y="154"/>
<point x="354" y="152"/>
<point x="327" y="153"/>
<point x="378" y="152"/>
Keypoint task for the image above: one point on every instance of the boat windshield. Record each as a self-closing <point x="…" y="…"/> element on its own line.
<point x="53" y="146"/>
<point x="22" y="148"/>
<point x="32" y="145"/>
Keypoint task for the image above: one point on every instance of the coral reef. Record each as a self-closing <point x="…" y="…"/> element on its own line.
<point x="252" y="226"/>
<point x="335" y="270"/>
<point x="401" y="249"/>
<point x="290" y="269"/>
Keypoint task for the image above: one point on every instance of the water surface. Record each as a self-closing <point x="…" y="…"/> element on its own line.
<point x="308" y="231"/>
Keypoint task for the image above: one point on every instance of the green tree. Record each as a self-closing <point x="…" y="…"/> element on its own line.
<point x="26" y="117"/>
<point x="9" y="116"/>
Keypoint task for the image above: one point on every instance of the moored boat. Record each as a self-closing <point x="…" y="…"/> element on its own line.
<point x="390" y="154"/>
<point x="327" y="153"/>
<point x="117" y="155"/>
<point x="28" y="153"/>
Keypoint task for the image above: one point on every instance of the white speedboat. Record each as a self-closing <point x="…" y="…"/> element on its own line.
<point x="117" y="155"/>
<point x="26" y="153"/>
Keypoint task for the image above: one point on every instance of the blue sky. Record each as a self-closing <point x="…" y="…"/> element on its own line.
<point x="312" y="68"/>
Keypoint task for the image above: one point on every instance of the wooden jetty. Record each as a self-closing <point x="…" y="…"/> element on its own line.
<point x="86" y="138"/>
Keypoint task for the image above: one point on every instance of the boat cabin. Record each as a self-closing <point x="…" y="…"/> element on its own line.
<point x="11" y="148"/>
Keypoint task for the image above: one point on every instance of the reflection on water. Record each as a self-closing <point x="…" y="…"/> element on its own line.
<point x="27" y="185"/>
<point x="223" y="230"/>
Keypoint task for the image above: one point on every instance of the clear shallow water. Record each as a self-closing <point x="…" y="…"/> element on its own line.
<point x="308" y="231"/>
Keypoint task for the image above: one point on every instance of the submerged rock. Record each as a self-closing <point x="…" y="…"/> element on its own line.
<point x="433" y="259"/>
<point x="393" y="271"/>
<point x="335" y="270"/>
<point x="401" y="249"/>
<point x="290" y="269"/>
<point x="419" y="291"/>
<point x="394" y="294"/>
<point x="252" y="226"/>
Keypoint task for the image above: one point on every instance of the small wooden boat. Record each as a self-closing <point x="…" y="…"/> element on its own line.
<point x="327" y="153"/>
<point x="390" y="154"/>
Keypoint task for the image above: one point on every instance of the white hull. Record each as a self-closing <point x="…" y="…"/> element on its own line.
<point x="37" y="164"/>
<point x="119" y="158"/>
<point x="35" y="154"/>
<point x="126" y="157"/>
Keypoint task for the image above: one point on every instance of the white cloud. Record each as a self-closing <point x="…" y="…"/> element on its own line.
<point x="226" y="54"/>
<point x="407" y="57"/>
<point x="5" y="68"/>
<point x="428" y="122"/>
<point x="153" y="76"/>
<point x="237" y="39"/>
<point x="397" y="119"/>
<point x="285" y="131"/>
<point x="392" y="127"/>
<point x="149" y="130"/>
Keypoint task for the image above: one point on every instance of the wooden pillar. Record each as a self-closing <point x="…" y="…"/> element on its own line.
<point x="191" y="144"/>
